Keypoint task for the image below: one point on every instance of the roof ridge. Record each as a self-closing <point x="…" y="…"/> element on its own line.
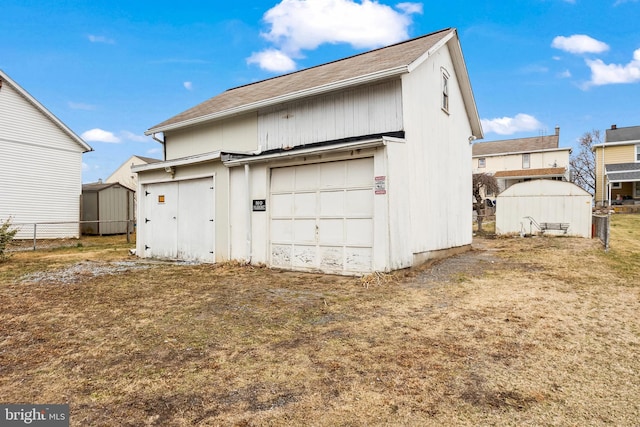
<point x="340" y="59"/>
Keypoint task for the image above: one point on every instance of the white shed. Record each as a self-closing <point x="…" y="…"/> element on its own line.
<point x="549" y="207"/>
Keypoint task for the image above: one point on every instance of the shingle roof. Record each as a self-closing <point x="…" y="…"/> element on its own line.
<point x="531" y="173"/>
<point x="622" y="172"/>
<point x="518" y="145"/>
<point x="148" y="159"/>
<point x="379" y="60"/>
<point x="631" y="133"/>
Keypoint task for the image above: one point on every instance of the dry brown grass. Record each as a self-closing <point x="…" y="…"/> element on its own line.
<point x="537" y="331"/>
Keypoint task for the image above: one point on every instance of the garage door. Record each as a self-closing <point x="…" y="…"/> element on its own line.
<point x="322" y="216"/>
<point x="179" y="220"/>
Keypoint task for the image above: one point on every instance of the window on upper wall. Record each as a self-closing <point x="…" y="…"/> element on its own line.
<point x="616" y="185"/>
<point x="482" y="162"/>
<point x="526" y="161"/>
<point x="637" y="153"/>
<point x="445" y="90"/>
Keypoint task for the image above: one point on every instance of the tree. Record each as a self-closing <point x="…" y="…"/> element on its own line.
<point x="483" y="184"/>
<point x="583" y="162"/>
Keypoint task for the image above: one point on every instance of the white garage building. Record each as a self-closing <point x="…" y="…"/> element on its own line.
<point x="337" y="168"/>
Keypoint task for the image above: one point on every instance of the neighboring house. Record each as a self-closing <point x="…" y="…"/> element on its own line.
<point x="358" y="165"/>
<point x="107" y="208"/>
<point x="41" y="163"/>
<point x="123" y="174"/>
<point x="618" y="166"/>
<point x="522" y="159"/>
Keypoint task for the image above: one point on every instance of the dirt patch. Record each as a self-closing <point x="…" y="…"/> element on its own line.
<point x="514" y="332"/>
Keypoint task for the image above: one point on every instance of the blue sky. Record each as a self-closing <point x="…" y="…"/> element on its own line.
<point x="111" y="70"/>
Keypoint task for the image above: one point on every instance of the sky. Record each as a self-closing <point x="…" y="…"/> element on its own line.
<point x="112" y="70"/>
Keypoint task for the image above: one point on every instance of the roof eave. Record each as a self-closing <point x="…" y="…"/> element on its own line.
<point x="512" y="153"/>
<point x="318" y="90"/>
<point x="191" y="160"/>
<point x="455" y="49"/>
<point x="86" y="147"/>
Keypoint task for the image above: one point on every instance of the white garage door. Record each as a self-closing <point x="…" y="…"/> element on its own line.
<point x="179" y="220"/>
<point x="322" y="216"/>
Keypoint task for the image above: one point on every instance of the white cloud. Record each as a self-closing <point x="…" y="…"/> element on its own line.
<point x="510" y="125"/>
<point x="155" y="151"/>
<point x="188" y="85"/>
<point x="100" y="39"/>
<point x="579" y="43"/>
<point x="565" y="74"/>
<point x="297" y="25"/>
<point x="99" y="135"/>
<point x="619" y="2"/>
<point x="130" y="136"/>
<point x="85" y="167"/>
<point x="603" y="74"/>
<point x="410" y="8"/>
<point x="81" y="106"/>
<point x="272" y="60"/>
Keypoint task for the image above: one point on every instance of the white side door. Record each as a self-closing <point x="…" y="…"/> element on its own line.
<point x="196" y="222"/>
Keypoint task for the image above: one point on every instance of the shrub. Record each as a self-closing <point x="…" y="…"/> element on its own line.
<point x="6" y="234"/>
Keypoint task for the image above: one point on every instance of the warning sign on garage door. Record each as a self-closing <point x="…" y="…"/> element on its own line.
<point x="380" y="185"/>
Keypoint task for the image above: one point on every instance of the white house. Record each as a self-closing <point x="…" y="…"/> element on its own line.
<point x="41" y="163"/>
<point x="123" y="174"/>
<point x="523" y="159"/>
<point x="357" y="165"/>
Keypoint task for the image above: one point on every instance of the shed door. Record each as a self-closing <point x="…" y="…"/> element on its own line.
<point x="179" y="220"/>
<point x="322" y="216"/>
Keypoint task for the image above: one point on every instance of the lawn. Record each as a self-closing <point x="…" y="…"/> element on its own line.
<point x="518" y="331"/>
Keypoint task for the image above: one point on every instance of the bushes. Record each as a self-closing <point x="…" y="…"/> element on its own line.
<point x="6" y="234"/>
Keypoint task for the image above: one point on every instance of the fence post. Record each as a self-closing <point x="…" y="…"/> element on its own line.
<point x="35" y="226"/>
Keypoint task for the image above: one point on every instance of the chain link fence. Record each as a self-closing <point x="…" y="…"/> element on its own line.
<point x="601" y="228"/>
<point x="49" y="235"/>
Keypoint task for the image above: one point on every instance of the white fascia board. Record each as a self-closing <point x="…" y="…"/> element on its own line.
<point x="367" y="78"/>
<point x="513" y="153"/>
<point x="462" y="75"/>
<point x="613" y="144"/>
<point x="86" y="147"/>
<point x="183" y="161"/>
<point x="313" y="150"/>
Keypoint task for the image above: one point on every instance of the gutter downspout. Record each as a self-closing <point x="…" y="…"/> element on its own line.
<point x="164" y="146"/>
<point x="249" y="207"/>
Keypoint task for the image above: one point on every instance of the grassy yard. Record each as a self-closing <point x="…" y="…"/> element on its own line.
<point x="534" y="331"/>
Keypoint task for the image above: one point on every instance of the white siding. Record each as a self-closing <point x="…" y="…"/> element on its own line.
<point x="544" y="201"/>
<point x="235" y="134"/>
<point x="41" y="169"/>
<point x="40" y="184"/>
<point x="439" y="158"/>
<point x="366" y="110"/>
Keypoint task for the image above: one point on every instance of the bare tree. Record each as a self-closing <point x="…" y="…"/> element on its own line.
<point x="483" y="184"/>
<point x="583" y="162"/>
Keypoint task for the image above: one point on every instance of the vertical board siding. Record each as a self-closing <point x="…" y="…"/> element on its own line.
<point x="363" y="110"/>
<point x="41" y="169"/>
